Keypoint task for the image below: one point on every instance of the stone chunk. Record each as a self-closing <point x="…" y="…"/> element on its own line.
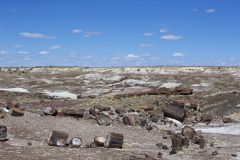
<point x="57" y="138"/>
<point x="3" y="133"/>
<point x="114" y="140"/>
<point x="75" y="142"/>
<point x="17" y="112"/>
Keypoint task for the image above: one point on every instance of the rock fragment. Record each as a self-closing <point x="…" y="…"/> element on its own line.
<point x="103" y="119"/>
<point x="99" y="141"/>
<point x="57" y="138"/>
<point x="3" y="133"/>
<point x="114" y="140"/>
<point x="50" y="111"/>
<point x="75" y="142"/>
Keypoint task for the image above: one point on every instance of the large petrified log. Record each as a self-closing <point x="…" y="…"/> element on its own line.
<point x="3" y="133"/>
<point x="145" y="92"/>
<point x="76" y="113"/>
<point x="174" y="111"/>
<point x="114" y="140"/>
<point x="57" y="138"/>
<point x="158" y="91"/>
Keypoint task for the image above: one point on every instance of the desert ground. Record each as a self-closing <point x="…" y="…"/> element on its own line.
<point x="215" y="95"/>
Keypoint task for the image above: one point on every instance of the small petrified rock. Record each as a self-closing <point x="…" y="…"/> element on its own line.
<point x="57" y="138"/>
<point x="120" y="111"/>
<point x="188" y="132"/>
<point x="207" y="118"/>
<point x="99" y="141"/>
<point x="17" y="112"/>
<point x="114" y="140"/>
<point x="2" y="114"/>
<point x="103" y="119"/>
<point x="165" y="147"/>
<point x="129" y="120"/>
<point x="200" y="140"/>
<point x="75" y="142"/>
<point x="214" y="153"/>
<point x="177" y="142"/>
<point x="227" y="120"/>
<point x="94" y="111"/>
<point x="3" y="133"/>
<point x="50" y="111"/>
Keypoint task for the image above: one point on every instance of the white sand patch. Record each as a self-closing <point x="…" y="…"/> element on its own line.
<point x="60" y="94"/>
<point x="175" y="121"/>
<point x="233" y="129"/>
<point x="170" y="85"/>
<point x="22" y="90"/>
<point x="134" y="82"/>
<point x="201" y="85"/>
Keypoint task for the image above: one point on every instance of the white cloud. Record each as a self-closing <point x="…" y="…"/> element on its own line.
<point x="146" y="45"/>
<point x="195" y="10"/>
<point x="210" y="10"/>
<point x="178" y="54"/>
<point x="26" y="59"/>
<point x="127" y="57"/>
<point x="76" y="30"/>
<point x="35" y="35"/>
<point x="90" y="34"/>
<point x="18" y="46"/>
<point x="56" y="47"/>
<point x="43" y="52"/>
<point x="131" y="56"/>
<point x="171" y="37"/>
<point x="147" y="34"/>
<point x="3" y="52"/>
<point x="232" y="59"/>
<point x="163" y="30"/>
<point x="23" y="52"/>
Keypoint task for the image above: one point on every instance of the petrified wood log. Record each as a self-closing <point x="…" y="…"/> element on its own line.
<point x="75" y="142"/>
<point x="99" y="141"/>
<point x="3" y="133"/>
<point x="57" y="138"/>
<point x="103" y="119"/>
<point x="17" y="112"/>
<point x="114" y="140"/>
<point x="177" y="142"/>
<point x="50" y="111"/>
<point x="76" y="113"/>
<point x="188" y="132"/>
<point x="94" y="111"/>
<point x="129" y="120"/>
<point x="174" y="111"/>
<point x="146" y="92"/>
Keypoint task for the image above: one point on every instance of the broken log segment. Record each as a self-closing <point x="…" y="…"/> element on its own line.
<point x="174" y="111"/>
<point x="75" y="142"/>
<point x="188" y="132"/>
<point x="3" y="133"/>
<point x="114" y="140"/>
<point x="103" y="119"/>
<point x="145" y="92"/>
<point x="76" y="113"/>
<point x="129" y="120"/>
<point x="50" y="111"/>
<point x="57" y="138"/>
<point x="99" y="141"/>
<point x="17" y="112"/>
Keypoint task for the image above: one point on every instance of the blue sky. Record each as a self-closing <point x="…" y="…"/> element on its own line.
<point x="119" y="32"/>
